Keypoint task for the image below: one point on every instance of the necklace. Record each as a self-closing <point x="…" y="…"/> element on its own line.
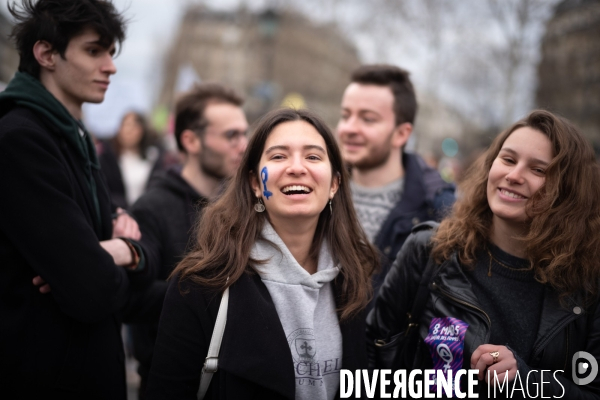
<point x="501" y="264"/>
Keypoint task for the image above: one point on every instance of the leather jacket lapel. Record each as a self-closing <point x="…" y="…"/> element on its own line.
<point x="452" y="279"/>
<point x="452" y="285"/>
<point x="554" y="319"/>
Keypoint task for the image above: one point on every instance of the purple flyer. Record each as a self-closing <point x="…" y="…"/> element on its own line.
<point x="446" y="342"/>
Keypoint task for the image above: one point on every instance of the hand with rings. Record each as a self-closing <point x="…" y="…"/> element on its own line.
<point x="490" y="357"/>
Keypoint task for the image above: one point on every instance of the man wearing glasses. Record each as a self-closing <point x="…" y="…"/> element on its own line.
<point x="210" y="129"/>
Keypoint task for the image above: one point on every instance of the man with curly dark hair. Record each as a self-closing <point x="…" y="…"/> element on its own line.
<point x="55" y="225"/>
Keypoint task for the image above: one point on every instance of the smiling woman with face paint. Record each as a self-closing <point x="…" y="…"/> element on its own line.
<point x="511" y="276"/>
<point x="285" y="239"/>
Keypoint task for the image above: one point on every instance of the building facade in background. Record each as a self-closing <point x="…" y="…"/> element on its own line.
<point x="569" y="72"/>
<point x="274" y="57"/>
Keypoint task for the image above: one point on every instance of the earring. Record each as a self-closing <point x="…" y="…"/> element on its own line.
<point x="259" y="207"/>
<point x="330" y="208"/>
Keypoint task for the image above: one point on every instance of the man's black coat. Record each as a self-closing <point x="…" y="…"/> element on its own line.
<point x="166" y="214"/>
<point x="65" y="344"/>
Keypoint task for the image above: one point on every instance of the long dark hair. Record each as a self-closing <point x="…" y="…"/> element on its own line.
<point x="148" y="139"/>
<point x="562" y="241"/>
<point x="229" y="227"/>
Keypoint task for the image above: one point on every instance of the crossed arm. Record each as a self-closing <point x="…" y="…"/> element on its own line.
<point x="123" y="226"/>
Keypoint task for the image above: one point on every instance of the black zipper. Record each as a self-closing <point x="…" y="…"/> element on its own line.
<point x="464" y="303"/>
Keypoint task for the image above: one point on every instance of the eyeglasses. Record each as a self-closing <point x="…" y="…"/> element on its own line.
<point x="233" y="136"/>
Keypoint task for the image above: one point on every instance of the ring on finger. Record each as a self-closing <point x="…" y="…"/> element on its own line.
<point x="495" y="355"/>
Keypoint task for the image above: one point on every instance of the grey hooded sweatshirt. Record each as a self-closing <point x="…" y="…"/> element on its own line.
<point x="306" y="307"/>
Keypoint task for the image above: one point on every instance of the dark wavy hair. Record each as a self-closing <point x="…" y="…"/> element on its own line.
<point x="561" y="241"/>
<point x="57" y="22"/>
<point x="229" y="227"/>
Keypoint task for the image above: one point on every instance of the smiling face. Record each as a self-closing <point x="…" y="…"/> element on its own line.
<point x="367" y="127"/>
<point x="83" y="75"/>
<point x="516" y="174"/>
<point x="294" y="175"/>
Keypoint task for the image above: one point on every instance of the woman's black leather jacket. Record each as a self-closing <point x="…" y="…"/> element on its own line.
<point x="563" y="330"/>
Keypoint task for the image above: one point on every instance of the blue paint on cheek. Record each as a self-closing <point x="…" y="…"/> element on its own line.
<point x="264" y="176"/>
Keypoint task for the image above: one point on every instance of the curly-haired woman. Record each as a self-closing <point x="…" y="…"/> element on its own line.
<point x="514" y="283"/>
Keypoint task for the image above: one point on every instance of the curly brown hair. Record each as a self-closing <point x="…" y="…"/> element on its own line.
<point x="229" y="227"/>
<point x="562" y="241"/>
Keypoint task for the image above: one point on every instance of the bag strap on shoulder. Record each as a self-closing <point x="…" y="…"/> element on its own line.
<point x="212" y="358"/>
